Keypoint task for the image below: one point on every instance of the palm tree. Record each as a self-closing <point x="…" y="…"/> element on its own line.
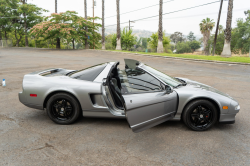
<point x="160" y="36"/>
<point x="227" y="45"/>
<point x="86" y="28"/>
<point x="103" y="30"/>
<point x="206" y="26"/>
<point x="118" y="40"/>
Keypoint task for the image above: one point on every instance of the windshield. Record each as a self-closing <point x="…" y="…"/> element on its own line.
<point x="165" y="78"/>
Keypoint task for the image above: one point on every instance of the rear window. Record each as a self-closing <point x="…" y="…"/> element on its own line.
<point x="88" y="74"/>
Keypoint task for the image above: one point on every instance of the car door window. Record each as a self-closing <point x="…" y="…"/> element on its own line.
<point x="138" y="81"/>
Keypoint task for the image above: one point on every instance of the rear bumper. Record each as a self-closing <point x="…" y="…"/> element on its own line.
<point x="22" y="99"/>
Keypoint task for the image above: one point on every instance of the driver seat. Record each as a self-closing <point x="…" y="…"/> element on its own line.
<point x="115" y="90"/>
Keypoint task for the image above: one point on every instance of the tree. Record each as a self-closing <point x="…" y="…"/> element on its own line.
<point x="153" y="41"/>
<point x="144" y="43"/>
<point x="86" y="27"/>
<point x="25" y="25"/>
<point x="177" y="37"/>
<point x="219" y="42"/>
<point x="206" y="26"/>
<point x="227" y="45"/>
<point x="194" y="45"/>
<point x="183" y="47"/>
<point x="6" y="12"/>
<point x="21" y="24"/>
<point x="127" y="39"/>
<point x="103" y="29"/>
<point x="191" y="36"/>
<point x="67" y="25"/>
<point x="118" y="40"/>
<point x="108" y="42"/>
<point x="138" y="42"/>
<point x="114" y="40"/>
<point x="241" y="35"/>
<point x="160" y="35"/>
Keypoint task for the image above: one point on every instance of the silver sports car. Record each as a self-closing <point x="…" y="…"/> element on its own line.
<point x="143" y="95"/>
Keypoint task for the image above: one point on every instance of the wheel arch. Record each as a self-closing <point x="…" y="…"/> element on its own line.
<point x="204" y="98"/>
<point x="59" y="91"/>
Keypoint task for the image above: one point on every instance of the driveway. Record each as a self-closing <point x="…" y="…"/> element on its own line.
<point x="29" y="137"/>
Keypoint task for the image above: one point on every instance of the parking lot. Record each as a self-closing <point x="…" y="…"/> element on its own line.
<point x="29" y="137"/>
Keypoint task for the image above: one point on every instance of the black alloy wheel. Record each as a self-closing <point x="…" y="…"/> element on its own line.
<point x="200" y="115"/>
<point x="63" y="108"/>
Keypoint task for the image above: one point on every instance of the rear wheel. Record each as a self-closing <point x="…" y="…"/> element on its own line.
<point x="200" y="115"/>
<point x="63" y="108"/>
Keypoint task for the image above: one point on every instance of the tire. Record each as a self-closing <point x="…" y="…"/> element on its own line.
<point x="200" y="115"/>
<point x="63" y="109"/>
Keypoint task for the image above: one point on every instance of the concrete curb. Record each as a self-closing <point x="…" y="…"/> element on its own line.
<point x="186" y="59"/>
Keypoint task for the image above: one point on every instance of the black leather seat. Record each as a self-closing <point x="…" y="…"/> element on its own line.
<point x="116" y="93"/>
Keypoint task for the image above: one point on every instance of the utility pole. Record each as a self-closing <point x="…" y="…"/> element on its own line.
<point x="55" y="6"/>
<point x="86" y="28"/>
<point x="93" y="22"/>
<point x="103" y="28"/>
<point x="129" y="24"/>
<point x="57" y="39"/>
<point x="217" y="27"/>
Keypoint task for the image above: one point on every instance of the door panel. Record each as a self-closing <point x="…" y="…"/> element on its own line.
<point x="146" y="110"/>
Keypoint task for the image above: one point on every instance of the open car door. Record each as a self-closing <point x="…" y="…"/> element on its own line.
<point x="144" y="98"/>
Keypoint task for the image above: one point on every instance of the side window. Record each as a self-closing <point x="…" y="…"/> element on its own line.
<point x="138" y="81"/>
<point x="88" y="74"/>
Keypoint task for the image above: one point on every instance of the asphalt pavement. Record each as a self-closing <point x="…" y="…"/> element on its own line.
<point x="29" y="137"/>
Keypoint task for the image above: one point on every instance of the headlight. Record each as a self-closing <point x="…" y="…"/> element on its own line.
<point x="237" y="107"/>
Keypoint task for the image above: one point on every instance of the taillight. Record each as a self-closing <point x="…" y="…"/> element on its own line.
<point x="33" y="95"/>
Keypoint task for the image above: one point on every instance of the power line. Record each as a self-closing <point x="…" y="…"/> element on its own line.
<point x="197" y="15"/>
<point x="169" y="12"/>
<point x="138" y="9"/>
<point x="179" y="10"/>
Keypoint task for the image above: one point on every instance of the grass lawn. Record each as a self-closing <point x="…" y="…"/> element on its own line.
<point x="202" y="57"/>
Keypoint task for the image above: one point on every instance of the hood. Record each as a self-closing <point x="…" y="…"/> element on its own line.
<point x="199" y="86"/>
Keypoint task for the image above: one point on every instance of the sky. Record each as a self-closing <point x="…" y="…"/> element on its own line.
<point x="182" y="21"/>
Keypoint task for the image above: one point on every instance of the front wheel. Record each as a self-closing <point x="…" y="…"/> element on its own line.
<point x="200" y="115"/>
<point x="63" y="108"/>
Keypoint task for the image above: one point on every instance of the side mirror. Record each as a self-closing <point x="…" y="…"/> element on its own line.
<point x="104" y="81"/>
<point x="168" y="89"/>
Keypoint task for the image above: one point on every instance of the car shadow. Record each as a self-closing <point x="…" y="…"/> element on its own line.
<point x="42" y="117"/>
<point x="169" y="124"/>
